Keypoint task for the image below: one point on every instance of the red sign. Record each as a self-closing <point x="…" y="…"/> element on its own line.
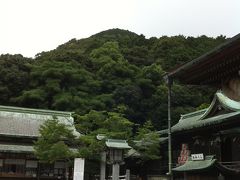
<point x="183" y="154"/>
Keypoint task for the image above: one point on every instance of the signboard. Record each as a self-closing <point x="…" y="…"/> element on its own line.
<point x="78" y="173"/>
<point x="197" y="157"/>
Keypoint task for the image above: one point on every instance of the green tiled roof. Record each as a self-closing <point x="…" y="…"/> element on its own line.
<point x="227" y="102"/>
<point x="196" y="165"/>
<point x="222" y="101"/>
<point x="206" y="117"/>
<point x="196" y="123"/>
<point x="117" y="144"/>
<point x="132" y="153"/>
<point x="25" y="122"/>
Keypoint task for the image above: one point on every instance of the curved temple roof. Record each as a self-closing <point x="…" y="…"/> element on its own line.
<point x="221" y="110"/>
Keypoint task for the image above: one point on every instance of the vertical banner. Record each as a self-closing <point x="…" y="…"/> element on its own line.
<point x="78" y="173"/>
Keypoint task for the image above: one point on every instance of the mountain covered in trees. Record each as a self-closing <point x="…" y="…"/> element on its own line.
<point x="113" y="71"/>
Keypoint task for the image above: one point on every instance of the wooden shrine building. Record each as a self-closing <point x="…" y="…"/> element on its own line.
<point x="206" y="143"/>
<point x="19" y="127"/>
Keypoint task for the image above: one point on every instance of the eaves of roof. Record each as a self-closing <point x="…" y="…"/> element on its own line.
<point x="205" y="118"/>
<point x="211" y="68"/>
<point x="117" y="144"/>
<point x="196" y="166"/>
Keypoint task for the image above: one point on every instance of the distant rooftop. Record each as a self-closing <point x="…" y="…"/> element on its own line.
<point x="25" y="122"/>
<point x="34" y="111"/>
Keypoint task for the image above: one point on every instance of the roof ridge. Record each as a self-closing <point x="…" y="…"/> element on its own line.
<point x="34" y="111"/>
<point x="227" y="102"/>
<point x="192" y="114"/>
<point x="117" y="140"/>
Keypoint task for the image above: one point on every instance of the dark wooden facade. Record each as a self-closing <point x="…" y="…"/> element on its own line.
<point x="26" y="166"/>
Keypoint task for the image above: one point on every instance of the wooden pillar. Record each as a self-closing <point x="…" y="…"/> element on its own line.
<point x="221" y="177"/>
<point x="128" y="174"/>
<point x="66" y="171"/>
<point x="78" y="173"/>
<point x="115" y="171"/>
<point x="185" y="176"/>
<point x="38" y="171"/>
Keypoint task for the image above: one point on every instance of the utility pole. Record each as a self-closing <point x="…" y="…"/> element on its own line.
<point x="169" y="83"/>
<point x="103" y="166"/>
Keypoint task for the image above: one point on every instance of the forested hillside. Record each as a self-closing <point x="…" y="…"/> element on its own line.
<point x="115" y="70"/>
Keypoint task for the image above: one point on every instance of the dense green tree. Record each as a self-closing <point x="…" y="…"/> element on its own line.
<point x="147" y="142"/>
<point x="54" y="142"/>
<point x="14" y="70"/>
<point x="146" y="149"/>
<point x="60" y="85"/>
<point x="110" y="124"/>
<point x="114" y="68"/>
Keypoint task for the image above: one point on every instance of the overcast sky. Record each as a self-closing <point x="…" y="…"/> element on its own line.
<point x="32" y="26"/>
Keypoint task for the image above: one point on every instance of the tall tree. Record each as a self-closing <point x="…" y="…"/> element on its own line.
<point x="14" y="77"/>
<point x="53" y="143"/>
<point x="110" y="124"/>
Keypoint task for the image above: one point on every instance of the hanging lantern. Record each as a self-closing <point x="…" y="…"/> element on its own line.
<point x="116" y="155"/>
<point x="116" y="149"/>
